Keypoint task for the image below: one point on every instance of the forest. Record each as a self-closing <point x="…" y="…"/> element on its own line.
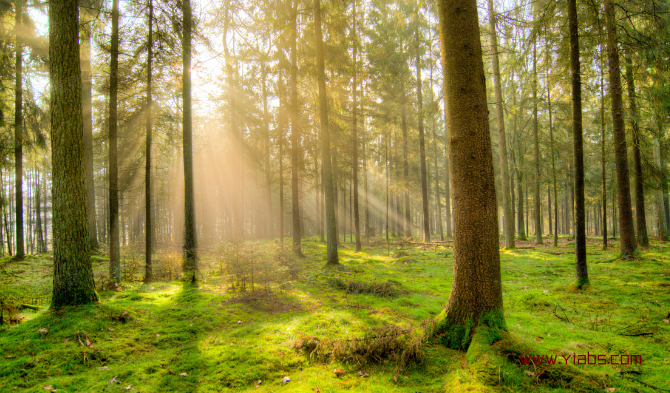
<point x="335" y="195"/>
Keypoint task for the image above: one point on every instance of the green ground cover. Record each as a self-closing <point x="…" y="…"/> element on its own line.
<point x="171" y="337"/>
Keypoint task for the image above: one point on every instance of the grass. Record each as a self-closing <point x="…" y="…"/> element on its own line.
<point x="177" y="338"/>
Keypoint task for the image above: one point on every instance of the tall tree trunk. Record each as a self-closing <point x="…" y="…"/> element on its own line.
<point x="626" y="227"/>
<point x="660" y="208"/>
<point x="18" y="132"/>
<point x="295" y="137"/>
<point x="476" y="293"/>
<point x="365" y="180"/>
<point x="114" y="247"/>
<point x="73" y="275"/>
<point x="553" y="160"/>
<point x="354" y="138"/>
<point x="447" y="179"/>
<point x="405" y="169"/>
<point x="41" y="249"/>
<point x="422" y="144"/>
<point x="602" y="154"/>
<point x="640" y="216"/>
<point x="148" y="214"/>
<point x="438" y="205"/>
<point x="536" y="151"/>
<point x="268" y="169"/>
<point x="508" y="227"/>
<point x="88" y="124"/>
<point x="190" y="266"/>
<point x="577" y="135"/>
<point x="331" y="241"/>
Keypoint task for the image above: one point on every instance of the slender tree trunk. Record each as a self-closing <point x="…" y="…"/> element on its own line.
<point x="577" y="135"/>
<point x="73" y="275"/>
<point x="114" y="247"/>
<point x="553" y="160"/>
<point x="18" y="132"/>
<point x="148" y="225"/>
<point x="660" y="208"/>
<point x="331" y="245"/>
<point x="508" y="227"/>
<point x="268" y="169"/>
<point x="190" y="267"/>
<point x="602" y="154"/>
<point x="536" y="151"/>
<point x="422" y="144"/>
<point x="447" y="179"/>
<point x="281" y="180"/>
<point x="405" y="170"/>
<point x="365" y="180"/>
<point x="640" y="216"/>
<point x="354" y="138"/>
<point x="627" y="243"/>
<point x="295" y="137"/>
<point x="476" y="293"/>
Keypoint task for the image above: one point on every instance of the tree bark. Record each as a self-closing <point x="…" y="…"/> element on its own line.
<point x="18" y="132"/>
<point x="476" y="293"/>
<point x="536" y="151"/>
<point x="602" y="155"/>
<point x="331" y="241"/>
<point x="422" y="143"/>
<point x="660" y="207"/>
<point x="405" y="169"/>
<point x="190" y="266"/>
<point x="626" y="227"/>
<point x="295" y="137"/>
<point x="114" y="247"/>
<point x="73" y="275"/>
<point x="577" y="135"/>
<point x="148" y="214"/>
<point x="640" y="216"/>
<point x="354" y="138"/>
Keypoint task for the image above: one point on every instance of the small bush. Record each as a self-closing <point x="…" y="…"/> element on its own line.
<point x="388" y="289"/>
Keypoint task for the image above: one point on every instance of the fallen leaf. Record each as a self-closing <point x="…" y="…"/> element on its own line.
<point x="338" y="372"/>
<point x="43" y="331"/>
<point x="113" y="380"/>
<point x="666" y="320"/>
<point x="611" y="389"/>
<point x="48" y="387"/>
<point x="528" y="372"/>
<point x="285" y="379"/>
<point x="129" y="387"/>
<point x="239" y="321"/>
<point x="125" y="313"/>
<point x="316" y="389"/>
<point x="182" y="374"/>
<point x="395" y="379"/>
<point x="9" y="357"/>
<point x="103" y="368"/>
<point x="88" y="343"/>
<point x="546" y="291"/>
<point x="111" y="329"/>
<point x="171" y="372"/>
<point x="363" y="375"/>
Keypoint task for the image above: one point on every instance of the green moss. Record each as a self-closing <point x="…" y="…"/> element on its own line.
<point x="458" y="336"/>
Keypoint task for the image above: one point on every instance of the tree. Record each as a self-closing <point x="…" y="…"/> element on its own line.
<point x="18" y="132"/>
<point x="114" y="247"/>
<point x="73" y="275"/>
<point x="536" y="151"/>
<point x="295" y="130"/>
<point x="627" y="243"/>
<point x="640" y="216"/>
<point x="476" y="294"/>
<point x="354" y="134"/>
<point x="577" y="135"/>
<point x="502" y="140"/>
<point x="331" y="231"/>
<point x="190" y="244"/>
<point x="148" y="223"/>
<point x="422" y="144"/>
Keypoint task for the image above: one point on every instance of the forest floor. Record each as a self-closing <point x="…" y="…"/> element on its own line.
<point x="172" y="337"/>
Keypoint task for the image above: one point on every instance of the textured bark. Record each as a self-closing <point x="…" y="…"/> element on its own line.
<point x="88" y="124"/>
<point x="422" y="142"/>
<point x="476" y="288"/>
<point x="114" y="247"/>
<point x="640" y="216"/>
<point x="536" y="153"/>
<point x="73" y="276"/>
<point x="295" y="132"/>
<point x="190" y="266"/>
<point x="553" y="160"/>
<point x="148" y="213"/>
<point x="577" y="135"/>
<point x="626" y="226"/>
<point x="447" y="180"/>
<point x="331" y="241"/>
<point x="602" y="156"/>
<point x="354" y="139"/>
<point x="660" y="207"/>
<point x="267" y="229"/>
<point x="508" y="227"/>
<point x="18" y="132"/>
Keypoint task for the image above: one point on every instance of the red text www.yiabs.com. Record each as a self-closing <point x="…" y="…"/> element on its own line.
<point x="580" y="360"/>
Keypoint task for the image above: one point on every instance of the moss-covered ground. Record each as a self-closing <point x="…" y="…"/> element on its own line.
<point x="178" y="338"/>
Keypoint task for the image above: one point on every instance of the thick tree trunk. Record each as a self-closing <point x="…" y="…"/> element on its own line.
<point x="660" y="208"/>
<point x="73" y="276"/>
<point x="626" y="227"/>
<point x="331" y="241"/>
<point x="577" y="135"/>
<point x="640" y="216"/>
<point x="114" y="247"/>
<point x="148" y="213"/>
<point x="190" y="266"/>
<point x="476" y="293"/>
